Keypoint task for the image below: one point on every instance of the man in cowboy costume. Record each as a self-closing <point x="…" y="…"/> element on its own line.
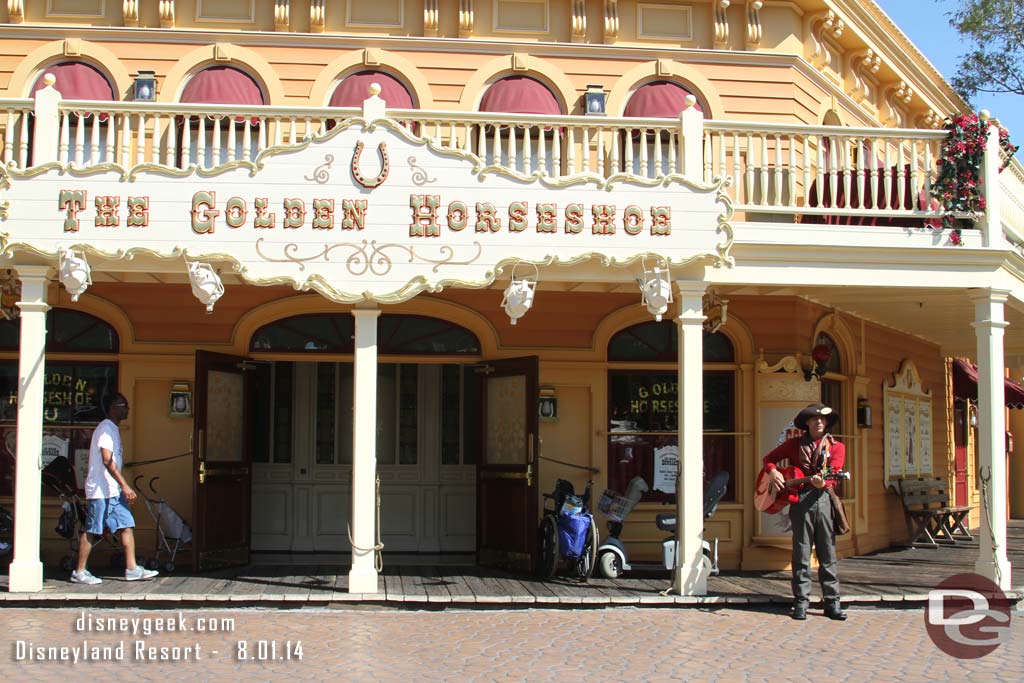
<point x="811" y="515"/>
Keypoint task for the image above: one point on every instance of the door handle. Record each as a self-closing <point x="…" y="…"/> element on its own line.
<point x="202" y="472"/>
<point x="529" y="475"/>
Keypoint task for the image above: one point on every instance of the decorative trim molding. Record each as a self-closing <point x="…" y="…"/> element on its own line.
<point x="611" y="20"/>
<point x="130" y="12"/>
<point x="282" y="15"/>
<point x="862" y="65"/>
<point x="579" y="21"/>
<point x="816" y="27"/>
<point x="317" y="16"/>
<point x="897" y="99"/>
<point x="430" y="17"/>
<point x="754" y="30"/>
<point x="466" y="20"/>
<point x="721" y="18"/>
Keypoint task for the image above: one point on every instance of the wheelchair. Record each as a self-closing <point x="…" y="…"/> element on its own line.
<point x="567" y="535"/>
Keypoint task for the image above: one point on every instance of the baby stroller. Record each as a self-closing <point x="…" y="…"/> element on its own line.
<point x="172" y="533"/>
<point x="60" y="477"/>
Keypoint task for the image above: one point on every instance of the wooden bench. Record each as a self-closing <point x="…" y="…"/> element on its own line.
<point x="930" y="519"/>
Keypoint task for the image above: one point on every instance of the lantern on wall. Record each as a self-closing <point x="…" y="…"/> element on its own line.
<point x="656" y="288"/>
<point x="519" y="294"/>
<point x="75" y="274"/>
<point x="206" y="284"/>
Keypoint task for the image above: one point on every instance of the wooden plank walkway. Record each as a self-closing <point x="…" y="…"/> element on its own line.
<point x="893" y="575"/>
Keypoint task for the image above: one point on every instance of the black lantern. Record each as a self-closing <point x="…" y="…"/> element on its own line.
<point x="863" y="413"/>
<point x="594" y="101"/>
<point x="145" y="86"/>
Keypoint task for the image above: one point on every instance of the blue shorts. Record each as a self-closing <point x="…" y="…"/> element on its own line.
<point x="108" y="514"/>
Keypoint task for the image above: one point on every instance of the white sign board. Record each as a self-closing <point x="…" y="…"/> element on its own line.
<point x="366" y="212"/>
<point x="666" y="468"/>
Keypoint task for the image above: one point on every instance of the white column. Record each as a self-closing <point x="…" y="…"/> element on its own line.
<point x="362" y="578"/>
<point x="989" y="325"/>
<point x="691" y="152"/>
<point x="689" y="577"/>
<point x="991" y="221"/>
<point x="26" y="570"/>
<point x="46" y="133"/>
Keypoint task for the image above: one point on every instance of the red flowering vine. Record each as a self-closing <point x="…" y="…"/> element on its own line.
<point x="959" y="184"/>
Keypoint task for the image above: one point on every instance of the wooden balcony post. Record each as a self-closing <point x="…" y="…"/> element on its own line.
<point x="691" y="151"/>
<point x="991" y="222"/>
<point x="46" y="133"/>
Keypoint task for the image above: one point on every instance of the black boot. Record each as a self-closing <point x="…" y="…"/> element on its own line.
<point x="834" y="610"/>
<point x="799" y="611"/>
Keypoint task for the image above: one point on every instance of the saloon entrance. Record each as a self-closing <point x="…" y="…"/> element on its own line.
<point x="295" y="402"/>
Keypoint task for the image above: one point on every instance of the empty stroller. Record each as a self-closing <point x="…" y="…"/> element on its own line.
<point x="60" y="477"/>
<point x="172" y="533"/>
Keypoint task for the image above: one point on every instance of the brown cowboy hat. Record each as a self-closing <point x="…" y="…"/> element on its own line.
<point x="815" y="410"/>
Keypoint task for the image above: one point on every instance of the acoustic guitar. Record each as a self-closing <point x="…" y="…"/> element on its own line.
<point x="789" y="493"/>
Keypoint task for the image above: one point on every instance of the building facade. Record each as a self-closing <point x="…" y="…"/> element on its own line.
<point x="379" y="273"/>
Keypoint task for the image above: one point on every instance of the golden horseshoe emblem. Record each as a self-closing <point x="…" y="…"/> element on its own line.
<point x="385" y="166"/>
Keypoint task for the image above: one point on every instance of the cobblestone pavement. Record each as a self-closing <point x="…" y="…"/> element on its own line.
<point x="616" y="644"/>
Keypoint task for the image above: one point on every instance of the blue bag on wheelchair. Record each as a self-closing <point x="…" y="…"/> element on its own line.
<point x="572" y="534"/>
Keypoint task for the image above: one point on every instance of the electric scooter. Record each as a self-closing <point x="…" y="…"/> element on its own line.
<point x="612" y="558"/>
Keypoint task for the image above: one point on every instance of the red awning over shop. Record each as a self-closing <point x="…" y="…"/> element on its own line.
<point x="965" y="384"/>
<point x="520" y="95"/>
<point x="222" y="85"/>
<point x="661" y="100"/>
<point x="77" y="81"/>
<point x="354" y="89"/>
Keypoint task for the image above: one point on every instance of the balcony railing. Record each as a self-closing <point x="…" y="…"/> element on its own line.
<point x="776" y="172"/>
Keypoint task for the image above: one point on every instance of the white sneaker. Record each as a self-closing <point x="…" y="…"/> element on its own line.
<point x="85" y="577"/>
<point x="139" y="573"/>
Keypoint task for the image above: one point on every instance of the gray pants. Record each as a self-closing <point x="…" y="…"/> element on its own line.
<point x="812" y="523"/>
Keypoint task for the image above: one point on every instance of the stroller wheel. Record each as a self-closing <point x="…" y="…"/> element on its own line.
<point x="169" y="567"/>
<point x="152" y="563"/>
<point x="67" y="563"/>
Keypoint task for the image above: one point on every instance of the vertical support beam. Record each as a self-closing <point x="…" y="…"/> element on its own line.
<point x="26" y="570"/>
<point x="691" y="149"/>
<point x="689" y="576"/>
<point x="362" y="578"/>
<point x="46" y="133"/>
<point x="989" y="325"/>
<point x="991" y="221"/>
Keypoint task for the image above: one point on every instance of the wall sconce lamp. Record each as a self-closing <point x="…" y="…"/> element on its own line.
<point x="519" y="294"/>
<point x="547" y="405"/>
<point x="145" y="86"/>
<point x="972" y="414"/>
<point x="594" y="101"/>
<point x="863" y="413"/>
<point x="820" y="356"/>
<point x="206" y="284"/>
<point x="10" y="294"/>
<point x="716" y="311"/>
<point x="656" y="289"/>
<point x="75" y="274"/>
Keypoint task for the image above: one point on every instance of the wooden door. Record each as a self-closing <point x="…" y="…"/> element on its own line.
<point x="960" y="430"/>
<point x="507" y="466"/>
<point x="222" y="478"/>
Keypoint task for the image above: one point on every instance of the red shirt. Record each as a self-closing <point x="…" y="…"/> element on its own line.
<point x="790" y="451"/>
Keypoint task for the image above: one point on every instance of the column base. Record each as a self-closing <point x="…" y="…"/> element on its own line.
<point x="25" y="577"/>
<point x="690" y="580"/>
<point x="362" y="580"/>
<point x="988" y="567"/>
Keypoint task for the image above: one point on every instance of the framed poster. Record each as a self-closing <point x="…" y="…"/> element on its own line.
<point x="908" y="425"/>
<point x="782" y="392"/>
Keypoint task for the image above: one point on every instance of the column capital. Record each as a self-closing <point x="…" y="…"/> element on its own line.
<point x="32" y="272"/>
<point x="366" y="312"/>
<point x="692" y="287"/>
<point x="989" y="294"/>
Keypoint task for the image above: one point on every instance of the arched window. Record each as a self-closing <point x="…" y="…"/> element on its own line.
<point x="527" y="149"/>
<point x="643" y="408"/>
<point x="83" y="137"/>
<point x="354" y="89"/>
<point x="648" y="153"/>
<point x="73" y="387"/>
<point x="212" y="140"/>
<point x="833" y="380"/>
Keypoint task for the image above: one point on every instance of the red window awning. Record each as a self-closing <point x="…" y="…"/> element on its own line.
<point x="77" y="81"/>
<point x="222" y="85"/>
<point x="520" y="95"/>
<point x="659" y="100"/>
<point x="965" y="384"/>
<point x="355" y="88"/>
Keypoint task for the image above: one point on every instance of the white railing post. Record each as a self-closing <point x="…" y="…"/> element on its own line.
<point x="691" y="151"/>
<point x="373" y="106"/>
<point x="46" y="134"/>
<point x="991" y="222"/>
